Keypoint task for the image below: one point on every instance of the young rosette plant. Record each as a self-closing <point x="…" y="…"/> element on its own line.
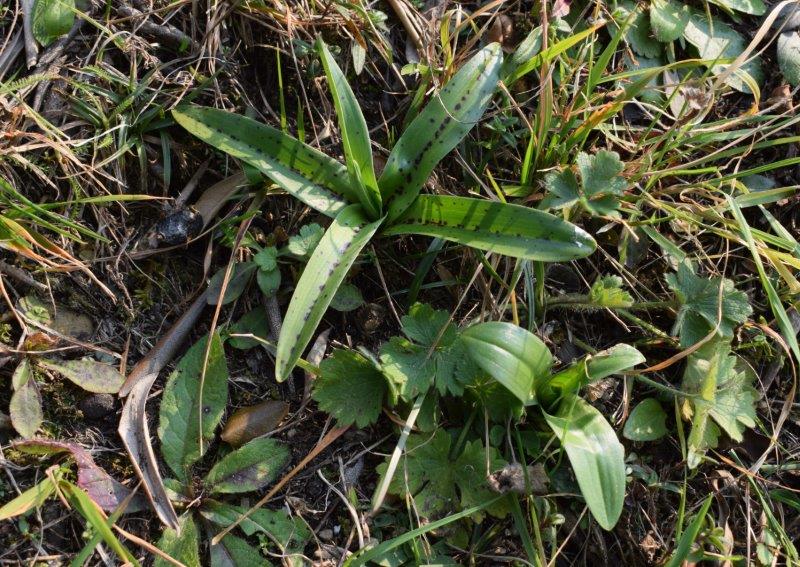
<point x="191" y="409"/>
<point x="363" y="204"/>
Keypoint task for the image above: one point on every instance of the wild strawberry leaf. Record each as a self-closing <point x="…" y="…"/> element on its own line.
<point x="607" y="292"/>
<point x="191" y="408"/>
<point x="250" y="467"/>
<point x="600" y="185"/>
<point x="350" y="388"/>
<point x="304" y="243"/>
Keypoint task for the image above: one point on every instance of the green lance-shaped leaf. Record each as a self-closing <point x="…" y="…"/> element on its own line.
<point x="28" y="500"/>
<point x="324" y="273"/>
<point x="252" y="466"/>
<point x="513" y="356"/>
<point x="316" y="179"/>
<point x="355" y="136"/>
<point x="441" y="125"/>
<point x="503" y="228"/>
<point x="89" y="374"/>
<point x="191" y="408"/>
<point x="596" y="455"/>
<point x="182" y="545"/>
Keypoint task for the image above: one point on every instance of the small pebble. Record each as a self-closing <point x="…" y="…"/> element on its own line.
<point x="326" y="534"/>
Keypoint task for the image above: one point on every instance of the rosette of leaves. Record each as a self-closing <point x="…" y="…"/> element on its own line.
<point x="507" y="371"/>
<point x="192" y="407"/>
<point x="650" y="28"/>
<point x="363" y="205"/>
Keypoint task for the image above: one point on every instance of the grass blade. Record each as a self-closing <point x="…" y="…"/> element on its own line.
<point x="323" y="275"/>
<point x="316" y="179"/>
<point x="439" y="128"/>
<point x="355" y="136"/>
<point x="503" y="228"/>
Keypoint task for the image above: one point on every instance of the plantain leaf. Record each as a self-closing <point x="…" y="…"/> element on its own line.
<point x="185" y="430"/>
<point x="355" y="136"/>
<point x="441" y="125"/>
<point x="236" y="552"/>
<point x="316" y="179"/>
<point x="252" y="466"/>
<point x="182" y="544"/>
<point x="25" y="408"/>
<point x="89" y="374"/>
<point x="513" y="356"/>
<point x="324" y="273"/>
<point x="503" y="228"/>
<point x="596" y="455"/>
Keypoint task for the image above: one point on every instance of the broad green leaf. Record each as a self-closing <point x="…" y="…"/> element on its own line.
<point x="647" y="421"/>
<point x="704" y="301"/>
<point x="252" y="323"/>
<point x="638" y="33"/>
<point x="441" y="485"/>
<point x="52" y="19"/>
<point x="347" y="298"/>
<point x="25" y="408"/>
<point x="89" y="374"/>
<point x="28" y="500"/>
<point x="789" y="56"/>
<point x="752" y="7"/>
<point x="94" y="517"/>
<point x="182" y="545"/>
<point x="512" y="230"/>
<point x="668" y="19"/>
<point x="191" y="408"/>
<point x="236" y="552"/>
<point x="355" y="136"/>
<point x="248" y="468"/>
<point x="269" y="282"/>
<point x="316" y="179"/>
<point x="716" y="40"/>
<point x="324" y="273"/>
<point x="446" y="119"/>
<point x="237" y="282"/>
<point x="350" y="388"/>
<point x="288" y="533"/>
<point x="513" y="356"/>
<point x="596" y="455"/>
<point x="266" y="259"/>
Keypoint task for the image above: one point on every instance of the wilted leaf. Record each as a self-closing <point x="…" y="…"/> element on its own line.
<point x="789" y="56"/>
<point x="647" y="421"/>
<point x="89" y="374"/>
<point x="668" y="19"/>
<point x="247" y="423"/>
<point x="248" y="468"/>
<point x="25" y="407"/>
<point x="350" y="388"/>
<point x="182" y="545"/>
<point x="192" y="407"/>
<point x="237" y="282"/>
<point x="104" y="490"/>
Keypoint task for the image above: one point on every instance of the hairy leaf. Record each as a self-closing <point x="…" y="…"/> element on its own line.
<point x="288" y="533"/>
<point x="502" y="228"/>
<point x="236" y="552"/>
<point x="191" y="408"/>
<point x="319" y="181"/>
<point x="446" y="119"/>
<point x="512" y="355"/>
<point x="252" y="466"/>
<point x="647" y="421"/>
<point x="600" y="186"/>
<point x="324" y="273"/>
<point x="182" y="545"/>
<point x="752" y="7"/>
<point x="355" y="136"/>
<point x="350" y="388"/>
<point x="89" y="374"/>
<point x="596" y="455"/>
<point x="607" y="292"/>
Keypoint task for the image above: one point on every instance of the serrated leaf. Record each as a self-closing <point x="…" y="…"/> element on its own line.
<point x="443" y="123"/>
<point x="668" y="19"/>
<point x="347" y="298"/>
<point x="355" y="136"/>
<point x="182" y="545"/>
<point x="716" y="40"/>
<point x="28" y="500"/>
<point x="314" y="178"/>
<point x="638" y="33"/>
<point x="288" y="533"/>
<point x="752" y="7"/>
<point x="440" y="485"/>
<point x="237" y="282"/>
<point x="789" y="56"/>
<point x="89" y="374"/>
<point x="305" y="242"/>
<point x="607" y="292"/>
<point x="248" y="468"/>
<point x="350" y="388"/>
<point x="703" y="301"/>
<point x="600" y="184"/>
<point x="502" y="228"/>
<point x="596" y="455"/>
<point x="513" y="356"/>
<point x="192" y="408"/>
<point x="52" y="19"/>
<point x="236" y="552"/>
<point x="349" y="233"/>
<point x="267" y="258"/>
<point x="647" y="421"/>
<point x="428" y="327"/>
